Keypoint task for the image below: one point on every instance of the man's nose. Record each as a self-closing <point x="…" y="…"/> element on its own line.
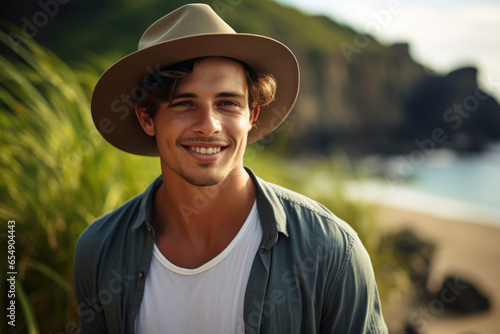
<point x="207" y="121"/>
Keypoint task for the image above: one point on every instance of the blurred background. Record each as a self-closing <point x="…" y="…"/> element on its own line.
<point x="396" y="130"/>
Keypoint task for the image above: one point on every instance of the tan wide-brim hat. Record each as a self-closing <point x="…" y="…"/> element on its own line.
<point x="191" y="31"/>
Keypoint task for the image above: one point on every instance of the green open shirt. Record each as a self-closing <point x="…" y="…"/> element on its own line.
<point x="311" y="273"/>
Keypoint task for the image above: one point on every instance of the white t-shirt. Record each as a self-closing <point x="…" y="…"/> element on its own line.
<point x="208" y="299"/>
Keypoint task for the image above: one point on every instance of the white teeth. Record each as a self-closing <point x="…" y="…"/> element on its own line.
<point x="205" y="150"/>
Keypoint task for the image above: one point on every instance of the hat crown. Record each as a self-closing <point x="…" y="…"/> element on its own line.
<point x="188" y="20"/>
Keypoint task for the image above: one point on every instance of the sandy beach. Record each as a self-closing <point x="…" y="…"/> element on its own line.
<point x="466" y="249"/>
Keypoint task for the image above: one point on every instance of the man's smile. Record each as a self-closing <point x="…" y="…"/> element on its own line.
<point x="205" y="150"/>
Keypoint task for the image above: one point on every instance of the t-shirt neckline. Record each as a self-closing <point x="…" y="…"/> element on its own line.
<point x="216" y="260"/>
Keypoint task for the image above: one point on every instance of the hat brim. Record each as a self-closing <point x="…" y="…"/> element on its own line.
<point x="112" y="106"/>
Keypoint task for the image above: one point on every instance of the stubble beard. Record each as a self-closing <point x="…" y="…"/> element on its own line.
<point x="200" y="180"/>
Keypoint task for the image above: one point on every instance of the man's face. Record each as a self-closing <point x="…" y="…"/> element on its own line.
<point x="202" y="134"/>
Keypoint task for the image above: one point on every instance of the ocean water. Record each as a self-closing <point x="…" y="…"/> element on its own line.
<point x="463" y="187"/>
<point x="473" y="179"/>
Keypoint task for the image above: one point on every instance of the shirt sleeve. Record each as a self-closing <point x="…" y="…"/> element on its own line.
<point x="90" y="311"/>
<point x="352" y="303"/>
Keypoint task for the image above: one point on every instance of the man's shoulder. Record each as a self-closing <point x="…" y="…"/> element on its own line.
<point x="313" y="231"/>
<point x="309" y="214"/>
<point x="111" y="224"/>
<point x="292" y="197"/>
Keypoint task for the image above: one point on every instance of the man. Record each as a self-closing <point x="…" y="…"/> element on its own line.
<point x="209" y="247"/>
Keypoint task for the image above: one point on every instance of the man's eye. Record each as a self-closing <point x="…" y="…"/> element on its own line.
<point x="181" y="104"/>
<point x="228" y="103"/>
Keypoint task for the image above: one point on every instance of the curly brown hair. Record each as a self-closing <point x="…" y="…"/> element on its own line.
<point x="163" y="83"/>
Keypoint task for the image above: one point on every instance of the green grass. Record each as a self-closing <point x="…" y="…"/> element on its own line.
<point x="57" y="176"/>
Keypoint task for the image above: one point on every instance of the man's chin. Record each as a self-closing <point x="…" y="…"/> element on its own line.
<point x="203" y="183"/>
<point x="203" y="180"/>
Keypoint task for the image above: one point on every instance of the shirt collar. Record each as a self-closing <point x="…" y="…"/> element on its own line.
<point x="271" y="212"/>
<point x="146" y="208"/>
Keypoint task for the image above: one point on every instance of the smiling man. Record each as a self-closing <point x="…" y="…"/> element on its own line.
<point x="210" y="247"/>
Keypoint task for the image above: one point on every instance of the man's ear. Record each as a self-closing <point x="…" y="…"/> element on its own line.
<point x="254" y="115"/>
<point x="146" y="121"/>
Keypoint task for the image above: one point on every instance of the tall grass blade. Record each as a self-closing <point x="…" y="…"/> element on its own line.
<point x="29" y="315"/>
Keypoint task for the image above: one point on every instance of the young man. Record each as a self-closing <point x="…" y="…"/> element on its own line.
<point x="209" y="247"/>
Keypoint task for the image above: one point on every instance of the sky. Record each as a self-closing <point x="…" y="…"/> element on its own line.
<point x="443" y="35"/>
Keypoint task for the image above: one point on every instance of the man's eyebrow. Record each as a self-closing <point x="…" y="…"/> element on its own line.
<point x="231" y="94"/>
<point x="184" y="95"/>
<point x="221" y="94"/>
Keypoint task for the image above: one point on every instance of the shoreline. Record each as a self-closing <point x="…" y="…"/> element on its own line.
<point x="405" y="198"/>
<point x="468" y="249"/>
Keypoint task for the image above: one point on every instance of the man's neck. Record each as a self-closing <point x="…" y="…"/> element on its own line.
<point x="203" y="217"/>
